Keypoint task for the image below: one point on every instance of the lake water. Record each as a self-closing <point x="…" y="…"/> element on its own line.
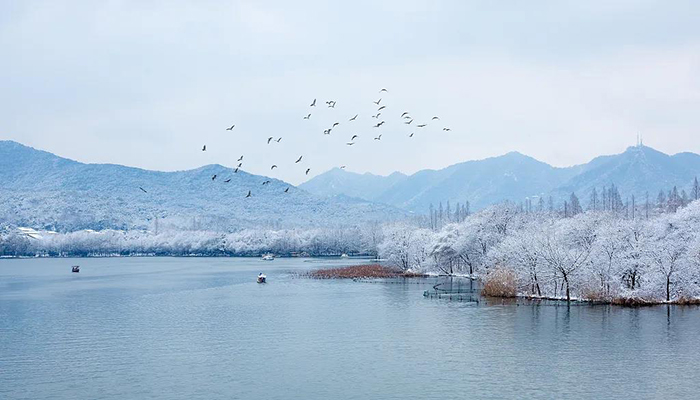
<point x="201" y="328"/>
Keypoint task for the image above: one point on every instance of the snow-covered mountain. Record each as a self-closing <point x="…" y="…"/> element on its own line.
<point x="41" y="190"/>
<point x="515" y="176"/>
<point x="364" y="186"/>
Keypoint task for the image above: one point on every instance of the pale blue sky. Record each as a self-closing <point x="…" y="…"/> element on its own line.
<point x="148" y="83"/>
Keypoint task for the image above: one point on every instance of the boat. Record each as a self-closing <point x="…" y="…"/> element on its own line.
<point x="344" y="255"/>
<point x="75" y="268"/>
<point x="268" y="257"/>
<point x="262" y="278"/>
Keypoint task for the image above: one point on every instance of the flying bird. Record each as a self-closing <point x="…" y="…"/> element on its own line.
<point x="313" y="104"/>
<point x="299" y="160"/>
<point x="204" y="148"/>
<point x="142" y="189"/>
<point x="411" y="135"/>
<point x="408" y="123"/>
<point x="228" y="180"/>
<point x="407" y="117"/>
<point x="379" y="124"/>
<point x="342" y="167"/>
<point x="273" y="167"/>
<point x="269" y="139"/>
<point x="231" y="128"/>
<point x="421" y="125"/>
<point x="327" y="131"/>
<point x="308" y="116"/>
<point x="278" y="140"/>
<point x="383" y="90"/>
<point x="240" y="158"/>
<point x="446" y="129"/>
<point x="335" y="124"/>
<point x="286" y="190"/>
<point x="249" y="194"/>
<point x="240" y="165"/>
<point x="377" y="102"/>
<point x="354" y="137"/>
<point x="434" y="118"/>
<point x="235" y="171"/>
<point x="350" y="143"/>
<point x="266" y="182"/>
<point x="377" y="116"/>
<point x="404" y="113"/>
<point x="213" y="177"/>
<point x="307" y="171"/>
<point x="378" y="137"/>
<point x="332" y="105"/>
<point x="353" y="118"/>
<point x="381" y="108"/>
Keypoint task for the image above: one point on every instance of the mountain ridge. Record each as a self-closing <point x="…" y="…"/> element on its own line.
<point x="515" y="176"/>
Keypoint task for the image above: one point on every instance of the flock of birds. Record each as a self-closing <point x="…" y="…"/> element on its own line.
<point x="405" y="117"/>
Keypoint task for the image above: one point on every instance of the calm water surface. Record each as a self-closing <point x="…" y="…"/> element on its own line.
<point x="185" y="328"/>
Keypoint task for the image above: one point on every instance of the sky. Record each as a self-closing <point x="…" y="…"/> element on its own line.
<point x="148" y="83"/>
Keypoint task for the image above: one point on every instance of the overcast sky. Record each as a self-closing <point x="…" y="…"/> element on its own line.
<point x="147" y="83"/>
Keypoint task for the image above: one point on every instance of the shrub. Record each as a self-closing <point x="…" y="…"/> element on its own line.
<point x="501" y="282"/>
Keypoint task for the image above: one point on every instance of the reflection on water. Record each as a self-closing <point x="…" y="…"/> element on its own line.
<point x="182" y="328"/>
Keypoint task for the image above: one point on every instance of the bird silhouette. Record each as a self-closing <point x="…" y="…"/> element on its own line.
<point x="204" y="148"/>
<point x="377" y="116"/>
<point x="213" y="177"/>
<point x="286" y="190"/>
<point x="299" y="160"/>
<point x="354" y="137"/>
<point x="273" y="167"/>
<point x="235" y="171"/>
<point x="269" y="139"/>
<point x="377" y="102"/>
<point x="383" y="90"/>
<point x="313" y="104"/>
<point x="408" y="123"/>
<point x="278" y="140"/>
<point x="381" y="108"/>
<point x="446" y="129"/>
<point x="350" y="143"/>
<point x="335" y="124"/>
<point x="142" y="189"/>
<point x="342" y="167"/>
<point x="421" y="125"/>
<point x="249" y="194"/>
<point x="434" y="118"/>
<point x="411" y="135"/>
<point x="407" y="117"/>
<point x="231" y="128"/>
<point x="228" y="180"/>
<point x="404" y="113"/>
<point x="327" y="131"/>
<point x="240" y="159"/>
<point x="378" y="137"/>
<point x="266" y="182"/>
<point x="332" y="105"/>
<point x="308" y="116"/>
<point x="307" y="171"/>
<point x="240" y="165"/>
<point x="353" y="118"/>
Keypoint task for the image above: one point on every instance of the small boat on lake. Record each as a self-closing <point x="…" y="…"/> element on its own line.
<point x="75" y="268"/>
<point x="262" y="278"/>
<point x="268" y="257"/>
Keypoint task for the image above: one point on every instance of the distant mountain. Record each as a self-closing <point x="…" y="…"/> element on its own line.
<point x="364" y="186"/>
<point x="640" y="169"/>
<point x="41" y="190"/>
<point x="515" y="177"/>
